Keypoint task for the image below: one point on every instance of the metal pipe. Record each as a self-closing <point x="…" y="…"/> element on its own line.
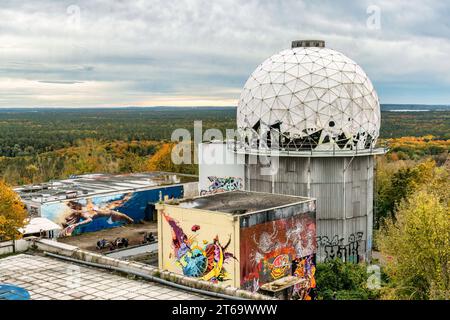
<point x="147" y="277"/>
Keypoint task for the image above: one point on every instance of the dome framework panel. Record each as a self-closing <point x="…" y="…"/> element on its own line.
<point x="315" y="97"/>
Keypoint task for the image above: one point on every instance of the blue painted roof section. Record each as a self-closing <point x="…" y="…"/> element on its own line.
<point x="11" y="292"/>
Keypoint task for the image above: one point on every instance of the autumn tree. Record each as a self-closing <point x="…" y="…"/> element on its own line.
<point x="89" y="156"/>
<point x="31" y="171"/>
<point x="416" y="242"/>
<point x="12" y="213"/>
<point x="162" y="161"/>
<point x="396" y="181"/>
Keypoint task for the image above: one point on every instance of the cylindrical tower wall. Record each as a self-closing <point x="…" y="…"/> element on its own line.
<point x="343" y="187"/>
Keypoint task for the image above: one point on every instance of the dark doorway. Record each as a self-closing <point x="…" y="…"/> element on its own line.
<point x="150" y="212"/>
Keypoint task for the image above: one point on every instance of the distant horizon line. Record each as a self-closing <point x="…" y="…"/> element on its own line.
<point x="187" y="106"/>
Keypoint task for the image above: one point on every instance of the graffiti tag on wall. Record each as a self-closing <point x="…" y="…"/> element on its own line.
<point x="205" y="259"/>
<point x="272" y="248"/>
<point x="222" y="184"/>
<point x="336" y="248"/>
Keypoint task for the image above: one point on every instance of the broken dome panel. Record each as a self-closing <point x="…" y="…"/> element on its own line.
<point x="307" y="93"/>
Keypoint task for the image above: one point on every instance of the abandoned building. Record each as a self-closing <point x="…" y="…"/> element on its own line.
<point x="308" y="121"/>
<point x="240" y="238"/>
<point x="93" y="202"/>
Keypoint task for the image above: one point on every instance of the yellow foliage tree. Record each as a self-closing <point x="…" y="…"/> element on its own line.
<point x="416" y="243"/>
<point x="12" y="213"/>
<point x="162" y="161"/>
<point x="89" y="156"/>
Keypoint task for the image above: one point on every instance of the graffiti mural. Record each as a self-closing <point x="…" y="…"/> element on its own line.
<point x="218" y="184"/>
<point x="337" y="248"/>
<point x="305" y="268"/>
<point x="96" y="213"/>
<point x="200" y="259"/>
<point x="273" y="247"/>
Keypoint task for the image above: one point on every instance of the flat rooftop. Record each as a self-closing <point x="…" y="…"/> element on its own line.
<point x="95" y="184"/>
<point x="50" y="279"/>
<point x="241" y="202"/>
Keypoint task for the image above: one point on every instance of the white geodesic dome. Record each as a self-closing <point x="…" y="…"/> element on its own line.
<point x="314" y="97"/>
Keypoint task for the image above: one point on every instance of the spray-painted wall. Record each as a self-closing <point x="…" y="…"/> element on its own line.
<point x="278" y="243"/>
<point x="220" y="169"/>
<point x="245" y="251"/>
<point x="100" y="212"/>
<point x="200" y="244"/>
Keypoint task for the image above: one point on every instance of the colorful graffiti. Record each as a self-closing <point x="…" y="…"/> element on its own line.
<point x="87" y="211"/>
<point x="305" y="268"/>
<point x="96" y="213"/>
<point x="205" y="260"/>
<point x="273" y="247"/>
<point x="219" y="184"/>
<point x="337" y="248"/>
<point x="279" y="266"/>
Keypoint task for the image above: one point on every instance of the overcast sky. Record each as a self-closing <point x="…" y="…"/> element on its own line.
<point x="171" y="52"/>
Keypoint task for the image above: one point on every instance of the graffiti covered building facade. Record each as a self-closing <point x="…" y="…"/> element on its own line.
<point x="238" y="238"/>
<point x="94" y="202"/>
<point x="279" y="247"/>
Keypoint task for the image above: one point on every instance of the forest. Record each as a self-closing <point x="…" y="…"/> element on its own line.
<point x="31" y="132"/>
<point x="39" y="145"/>
<point x="25" y="132"/>
<point x="412" y="181"/>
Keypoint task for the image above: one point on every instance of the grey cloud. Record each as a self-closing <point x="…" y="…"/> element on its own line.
<point x="135" y="50"/>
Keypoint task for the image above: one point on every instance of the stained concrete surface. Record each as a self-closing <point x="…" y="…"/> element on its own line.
<point x="52" y="279"/>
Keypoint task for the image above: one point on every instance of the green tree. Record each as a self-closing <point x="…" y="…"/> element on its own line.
<point x="343" y="281"/>
<point x="397" y="181"/>
<point x="416" y="244"/>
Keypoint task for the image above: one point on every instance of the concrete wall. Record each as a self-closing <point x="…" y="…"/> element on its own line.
<point x="343" y="187"/>
<point x="200" y="244"/>
<point x="11" y="246"/>
<point x="219" y="169"/>
<point x="190" y="190"/>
